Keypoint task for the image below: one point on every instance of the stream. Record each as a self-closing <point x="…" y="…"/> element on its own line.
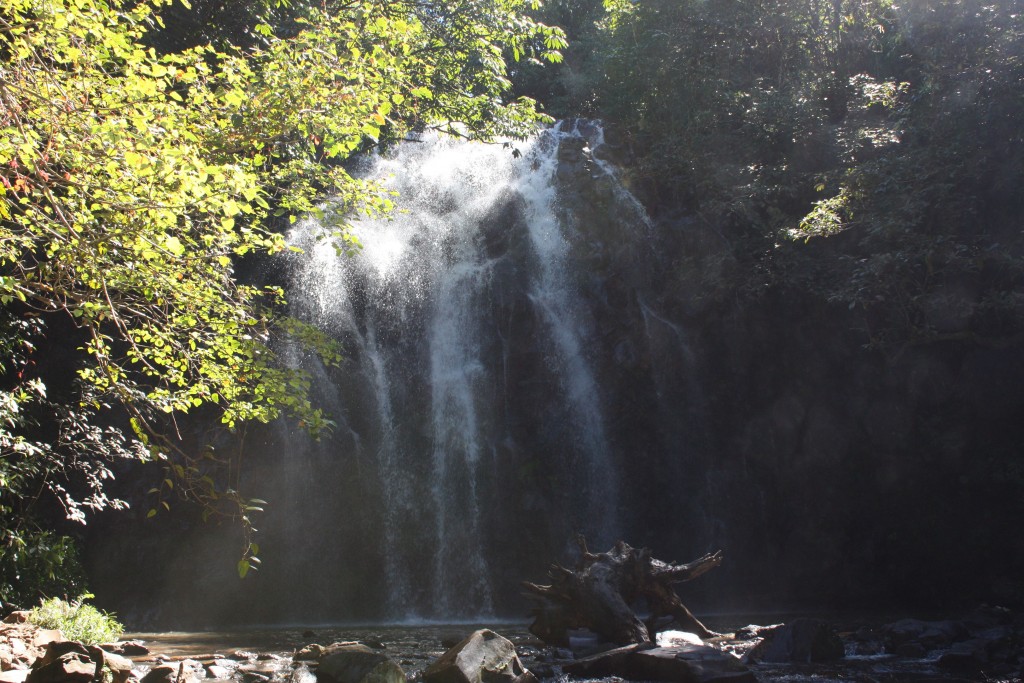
<point x="260" y="655"/>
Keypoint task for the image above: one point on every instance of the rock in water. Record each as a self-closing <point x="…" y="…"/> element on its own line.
<point x="358" y="664"/>
<point x="686" y="663"/>
<point x="929" y="635"/>
<point x="802" y="640"/>
<point x="483" y="657"/>
<point x="169" y="673"/>
<point x="120" y="667"/>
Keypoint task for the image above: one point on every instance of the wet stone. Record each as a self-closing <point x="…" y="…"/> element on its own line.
<point x="358" y="664"/>
<point x="483" y="656"/>
<point x="214" y="671"/>
<point x="929" y="634"/>
<point x="167" y="673"/>
<point x="802" y="640"/>
<point x="128" y="648"/>
<point x="254" y="676"/>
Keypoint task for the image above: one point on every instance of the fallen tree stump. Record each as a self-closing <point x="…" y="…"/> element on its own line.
<point x="599" y="593"/>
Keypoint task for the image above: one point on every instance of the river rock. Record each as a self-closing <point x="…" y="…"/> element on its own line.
<point x="928" y="634"/>
<point x="44" y="636"/>
<point x="482" y="656"/>
<point x="685" y="663"/>
<point x="127" y="648"/>
<point x="358" y="664"/>
<point x="64" y="662"/>
<point x="309" y="653"/>
<point x="220" y="668"/>
<point x="170" y="673"/>
<point x="315" y="652"/>
<point x="120" y="667"/>
<point x="965" y="656"/>
<point x="802" y="640"/>
<point x="253" y="676"/>
<point x="219" y="672"/>
<point x="23" y="643"/>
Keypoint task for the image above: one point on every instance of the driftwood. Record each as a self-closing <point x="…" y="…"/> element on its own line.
<point x="599" y="593"/>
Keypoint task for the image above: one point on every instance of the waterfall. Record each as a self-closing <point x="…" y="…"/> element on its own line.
<point x="413" y="311"/>
<point x="515" y="372"/>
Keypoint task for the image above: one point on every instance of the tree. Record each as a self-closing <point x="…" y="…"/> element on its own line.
<point x="132" y="182"/>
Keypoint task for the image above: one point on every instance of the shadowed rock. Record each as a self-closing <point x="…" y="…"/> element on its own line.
<point x="802" y="640"/>
<point x="483" y="657"/>
<point x="358" y="664"/>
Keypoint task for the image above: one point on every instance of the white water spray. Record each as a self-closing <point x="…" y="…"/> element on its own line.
<point x="412" y="311"/>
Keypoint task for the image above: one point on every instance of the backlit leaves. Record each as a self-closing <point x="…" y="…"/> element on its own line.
<point x="132" y="182"/>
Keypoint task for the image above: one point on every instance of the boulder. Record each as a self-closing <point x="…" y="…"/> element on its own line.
<point x="242" y="655"/>
<point x="170" y="673"/>
<point x="482" y="657"/>
<point x="14" y="676"/>
<point x="254" y="676"/>
<point x="966" y="656"/>
<point x="358" y="664"/>
<point x="127" y="648"/>
<point x="120" y="667"/>
<point x="44" y="636"/>
<point x="927" y="634"/>
<point x="315" y="652"/>
<point x="800" y="641"/>
<point x="23" y="643"/>
<point x="309" y="653"/>
<point x="219" y="672"/>
<point x="220" y="668"/>
<point x="684" y="663"/>
<point x="261" y="670"/>
<point x="19" y="617"/>
<point x="162" y="673"/>
<point x="7" y="656"/>
<point x="64" y="662"/>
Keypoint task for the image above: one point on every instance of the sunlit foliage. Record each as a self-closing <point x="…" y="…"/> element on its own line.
<point x="134" y="180"/>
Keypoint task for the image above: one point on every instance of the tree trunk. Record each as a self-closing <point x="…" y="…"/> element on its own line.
<point x="599" y="593"/>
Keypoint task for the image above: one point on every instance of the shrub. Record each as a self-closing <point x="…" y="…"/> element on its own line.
<point x="77" y="620"/>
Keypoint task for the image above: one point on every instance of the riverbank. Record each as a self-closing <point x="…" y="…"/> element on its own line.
<point x="985" y="645"/>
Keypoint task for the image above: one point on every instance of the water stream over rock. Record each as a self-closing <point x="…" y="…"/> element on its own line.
<point x="472" y="366"/>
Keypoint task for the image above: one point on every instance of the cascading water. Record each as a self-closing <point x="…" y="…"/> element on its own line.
<point x="514" y="374"/>
<point x="414" y="314"/>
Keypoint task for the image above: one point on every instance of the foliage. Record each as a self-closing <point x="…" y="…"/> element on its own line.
<point x="77" y="620"/>
<point x="133" y="182"/>
<point x="36" y="563"/>
<point x="890" y="129"/>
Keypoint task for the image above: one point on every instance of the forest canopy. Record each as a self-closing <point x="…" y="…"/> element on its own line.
<point x="139" y="168"/>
